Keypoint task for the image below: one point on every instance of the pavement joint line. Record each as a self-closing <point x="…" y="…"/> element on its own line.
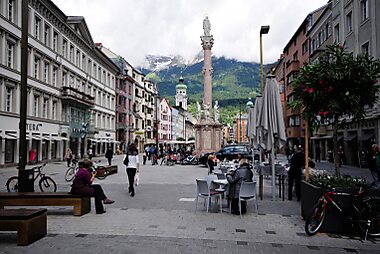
<point x="241" y="243"/>
<point x="238" y="230"/>
<point x="81" y="235"/>
<point x="349" y="250"/>
<point x="277" y="245"/>
<point x="270" y="232"/>
<point x="311" y="247"/>
<point x="153" y="226"/>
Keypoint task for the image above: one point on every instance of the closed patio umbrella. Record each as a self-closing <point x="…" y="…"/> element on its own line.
<point x="271" y="122"/>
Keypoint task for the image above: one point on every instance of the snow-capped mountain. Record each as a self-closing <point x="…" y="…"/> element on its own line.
<point x="158" y="63"/>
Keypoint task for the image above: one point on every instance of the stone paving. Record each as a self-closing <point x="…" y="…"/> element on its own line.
<point x="161" y="218"/>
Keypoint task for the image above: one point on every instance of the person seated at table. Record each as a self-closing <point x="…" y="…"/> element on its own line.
<point x="235" y="178"/>
<point x="82" y="185"/>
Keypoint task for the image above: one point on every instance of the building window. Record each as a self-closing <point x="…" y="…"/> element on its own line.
<point x="11" y="10"/>
<point x="37" y="27"/>
<point x="349" y="22"/>
<point x="294" y="121"/>
<point x="54" y="110"/>
<point x="55" y="41"/>
<point x="304" y="47"/>
<point x="295" y="56"/>
<point x="45" y="108"/>
<point x="71" y="54"/>
<point x="46" y="72"/>
<point x="337" y="34"/>
<point x="99" y="73"/>
<point x="36" y="67"/>
<point x="89" y="65"/>
<point x="55" y="76"/>
<point x="10" y="54"/>
<point x="47" y="35"/>
<point x="64" y="79"/>
<point x="9" y="99"/>
<point x="365" y="48"/>
<point x="94" y="70"/>
<point x="36" y="105"/>
<point x="84" y="60"/>
<point x="78" y="58"/>
<point x="364" y="9"/>
<point x="64" y="48"/>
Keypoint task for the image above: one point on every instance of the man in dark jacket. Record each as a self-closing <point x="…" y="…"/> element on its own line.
<point x="109" y="155"/>
<point x="297" y="162"/>
<point x="235" y="178"/>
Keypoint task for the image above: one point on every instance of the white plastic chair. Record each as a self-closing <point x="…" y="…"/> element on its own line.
<point x="203" y="191"/>
<point x="248" y="192"/>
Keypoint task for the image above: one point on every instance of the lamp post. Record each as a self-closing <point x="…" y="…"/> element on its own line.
<point x="240" y="124"/>
<point x="263" y="30"/>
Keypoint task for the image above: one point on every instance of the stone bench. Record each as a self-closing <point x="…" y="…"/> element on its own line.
<point x="81" y="205"/>
<point x="30" y="224"/>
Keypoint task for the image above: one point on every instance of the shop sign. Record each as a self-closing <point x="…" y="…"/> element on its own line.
<point x="33" y="126"/>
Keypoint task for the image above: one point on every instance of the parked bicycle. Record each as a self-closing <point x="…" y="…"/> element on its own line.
<point x="364" y="212"/>
<point x="101" y="171"/>
<point x="46" y="183"/>
<point x="71" y="171"/>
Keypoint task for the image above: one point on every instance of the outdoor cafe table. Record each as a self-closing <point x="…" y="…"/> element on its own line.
<point x="266" y="170"/>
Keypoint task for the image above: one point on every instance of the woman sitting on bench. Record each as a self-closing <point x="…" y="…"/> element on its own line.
<point x="82" y="185"/>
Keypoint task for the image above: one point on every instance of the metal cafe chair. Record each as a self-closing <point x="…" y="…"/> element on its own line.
<point x="204" y="191"/>
<point x="248" y="192"/>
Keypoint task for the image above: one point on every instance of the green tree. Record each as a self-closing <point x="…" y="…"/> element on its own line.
<point x="338" y="84"/>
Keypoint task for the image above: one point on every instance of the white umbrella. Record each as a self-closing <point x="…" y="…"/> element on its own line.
<point x="271" y="122"/>
<point x="257" y="129"/>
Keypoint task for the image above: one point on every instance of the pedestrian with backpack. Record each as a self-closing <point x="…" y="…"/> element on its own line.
<point x="131" y="161"/>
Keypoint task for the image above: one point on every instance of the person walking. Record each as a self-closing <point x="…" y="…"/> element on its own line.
<point x="109" y="155"/>
<point x="317" y="154"/>
<point x="295" y="173"/>
<point x="90" y="153"/>
<point x="131" y="161"/>
<point x="82" y="185"/>
<point x="374" y="164"/>
<point x="68" y="156"/>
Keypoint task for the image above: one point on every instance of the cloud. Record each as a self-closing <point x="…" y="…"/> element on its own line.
<point x="136" y="28"/>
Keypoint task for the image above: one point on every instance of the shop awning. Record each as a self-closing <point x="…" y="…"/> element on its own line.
<point x="322" y="137"/>
<point x="35" y="137"/>
<point x="349" y="137"/>
<point x="366" y="137"/>
<point x="10" y="135"/>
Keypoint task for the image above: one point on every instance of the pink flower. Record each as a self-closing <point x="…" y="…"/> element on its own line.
<point x="309" y="90"/>
<point x="323" y="113"/>
<point x="329" y="89"/>
<point x="321" y="82"/>
<point x="341" y="46"/>
<point x="374" y="81"/>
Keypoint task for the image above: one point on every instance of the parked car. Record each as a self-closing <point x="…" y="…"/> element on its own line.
<point x="232" y="152"/>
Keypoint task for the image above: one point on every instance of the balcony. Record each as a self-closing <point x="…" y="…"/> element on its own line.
<point x="73" y="96"/>
<point x="293" y="66"/>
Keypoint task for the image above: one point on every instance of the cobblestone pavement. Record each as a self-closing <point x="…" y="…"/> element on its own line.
<point x="161" y="218"/>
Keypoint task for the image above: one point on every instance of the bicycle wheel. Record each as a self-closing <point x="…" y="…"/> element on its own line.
<point x="47" y="184"/>
<point x="70" y="173"/>
<point x="12" y="184"/>
<point x="315" y="221"/>
<point x="101" y="173"/>
<point x="369" y="219"/>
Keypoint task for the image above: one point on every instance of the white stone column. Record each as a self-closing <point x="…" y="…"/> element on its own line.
<point x="207" y="43"/>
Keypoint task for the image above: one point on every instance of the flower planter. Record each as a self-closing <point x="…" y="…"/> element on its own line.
<point x="334" y="221"/>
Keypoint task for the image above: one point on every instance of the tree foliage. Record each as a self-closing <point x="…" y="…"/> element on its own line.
<point x="338" y="84"/>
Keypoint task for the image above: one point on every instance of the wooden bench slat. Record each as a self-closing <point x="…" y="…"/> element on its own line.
<point x="20" y="214"/>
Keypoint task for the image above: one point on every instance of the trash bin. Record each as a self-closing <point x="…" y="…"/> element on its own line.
<point x="26" y="180"/>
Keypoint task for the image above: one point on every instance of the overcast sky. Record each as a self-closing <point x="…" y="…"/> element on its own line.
<point x="136" y="28"/>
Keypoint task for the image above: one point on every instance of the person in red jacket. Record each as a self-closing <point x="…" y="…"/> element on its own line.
<point x="82" y="185"/>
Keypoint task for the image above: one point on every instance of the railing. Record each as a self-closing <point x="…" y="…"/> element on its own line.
<point x="71" y="93"/>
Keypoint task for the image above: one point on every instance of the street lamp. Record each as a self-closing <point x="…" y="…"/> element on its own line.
<point x="263" y="30"/>
<point x="240" y="124"/>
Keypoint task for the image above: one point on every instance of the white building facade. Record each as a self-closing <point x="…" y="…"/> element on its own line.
<point x="71" y="85"/>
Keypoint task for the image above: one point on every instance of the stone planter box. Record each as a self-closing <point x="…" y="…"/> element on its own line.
<point x="334" y="222"/>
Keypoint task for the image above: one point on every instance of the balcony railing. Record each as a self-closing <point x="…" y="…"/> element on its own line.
<point x="74" y="96"/>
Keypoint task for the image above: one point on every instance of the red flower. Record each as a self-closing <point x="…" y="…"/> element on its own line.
<point x="323" y="113"/>
<point x="341" y="46"/>
<point x="374" y="81"/>
<point x="321" y="82"/>
<point x="309" y="90"/>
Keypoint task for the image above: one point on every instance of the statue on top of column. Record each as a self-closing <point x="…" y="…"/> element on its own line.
<point x="206" y="27"/>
